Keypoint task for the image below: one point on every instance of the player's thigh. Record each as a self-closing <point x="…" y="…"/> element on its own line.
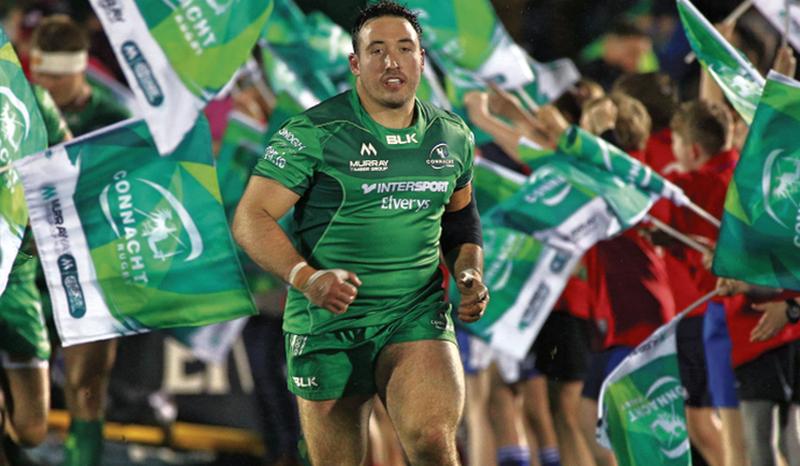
<point x="422" y="384"/>
<point x="336" y="430"/>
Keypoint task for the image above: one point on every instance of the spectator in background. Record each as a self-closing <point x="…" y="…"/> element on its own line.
<point x="58" y="60"/>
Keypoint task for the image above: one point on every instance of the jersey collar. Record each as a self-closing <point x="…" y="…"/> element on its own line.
<point x="405" y="138"/>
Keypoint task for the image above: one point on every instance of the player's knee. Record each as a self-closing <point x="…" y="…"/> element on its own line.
<point x="431" y="441"/>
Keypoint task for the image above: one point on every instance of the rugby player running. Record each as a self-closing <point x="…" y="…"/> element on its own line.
<point x="380" y="183"/>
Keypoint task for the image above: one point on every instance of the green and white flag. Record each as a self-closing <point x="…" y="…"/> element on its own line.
<point x="534" y="238"/>
<point x="313" y="48"/>
<point x="129" y="240"/>
<point x="493" y="183"/>
<point x="737" y="77"/>
<point x="178" y="54"/>
<point x="566" y="195"/>
<point x="641" y="409"/>
<point x="586" y="149"/>
<point x="467" y="39"/>
<point x="551" y="79"/>
<point x="759" y="241"/>
<point x="775" y="12"/>
<point x="526" y="278"/>
<point x="22" y="132"/>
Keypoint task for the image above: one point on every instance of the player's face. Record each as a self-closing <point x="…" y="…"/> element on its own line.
<point x="389" y="61"/>
<point x="64" y="88"/>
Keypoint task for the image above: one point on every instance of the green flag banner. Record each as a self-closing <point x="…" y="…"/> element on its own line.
<point x="493" y="183"/>
<point x="565" y="197"/>
<point x="467" y="39"/>
<point x="739" y="80"/>
<point x="240" y="150"/>
<point x="22" y="132"/>
<point x="177" y="55"/>
<point x="775" y="12"/>
<point x="641" y="408"/>
<point x="759" y="240"/>
<point x="535" y="237"/>
<point x="313" y="47"/>
<point x="526" y="278"/>
<point x="129" y="240"/>
<point x="584" y="148"/>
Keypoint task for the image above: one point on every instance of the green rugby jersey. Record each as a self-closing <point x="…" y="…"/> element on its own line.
<point x="371" y="202"/>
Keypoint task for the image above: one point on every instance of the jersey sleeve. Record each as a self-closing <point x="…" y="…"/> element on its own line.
<point x="292" y="155"/>
<point x="469" y="156"/>
<point x="57" y="131"/>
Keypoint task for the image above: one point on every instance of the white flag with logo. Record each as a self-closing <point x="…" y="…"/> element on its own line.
<point x="177" y="55"/>
<point x="131" y="241"/>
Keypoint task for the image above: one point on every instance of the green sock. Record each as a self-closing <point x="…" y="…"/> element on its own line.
<point x="84" y="444"/>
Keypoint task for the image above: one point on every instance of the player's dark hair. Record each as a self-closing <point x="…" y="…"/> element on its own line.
<point x="380" y="9"/>
<point x="59" y="33"/>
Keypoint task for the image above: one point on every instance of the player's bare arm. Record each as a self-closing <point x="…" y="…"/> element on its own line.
<point x="256" y="229"/>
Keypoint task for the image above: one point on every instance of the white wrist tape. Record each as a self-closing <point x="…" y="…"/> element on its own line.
<point x="295" y="270"/>
<point x="314" y="276"/>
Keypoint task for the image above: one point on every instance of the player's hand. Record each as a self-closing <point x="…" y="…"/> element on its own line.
<point x="771" y="322"/>
<point x="332" y="289"/>
<point x="474" y="295"/>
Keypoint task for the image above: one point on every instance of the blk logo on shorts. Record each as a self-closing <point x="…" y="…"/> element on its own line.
<point x="305" y="382"/>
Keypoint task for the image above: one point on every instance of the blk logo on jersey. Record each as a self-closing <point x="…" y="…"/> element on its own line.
<point x="439" y="157"/>
<point x="396" y="139"/>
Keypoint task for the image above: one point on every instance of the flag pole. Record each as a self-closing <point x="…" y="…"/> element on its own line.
<point x="529" y="102"/>
<point x="708" y="296"/>
<point x="787" y="23"/>
<point x="705" y="215"/>
<point x="688" y="241"/>
<point x="731" y="18"/>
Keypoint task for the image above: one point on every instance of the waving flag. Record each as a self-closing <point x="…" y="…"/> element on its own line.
<point x="22" y="132"/>
<point x="641" y="407"/>
<point x="177" y="55"/>
<point x="534" y="238"/>
<point x="129" y="240"/>
<point x="567" y="200"/>
<point x="739" y="80"/>
<point x="586" y="149"/>
<point x="313" y="47"/>
<point x="526" y="277"/>
<point x="759" y="241"/>
<point x="493" y="183"/>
